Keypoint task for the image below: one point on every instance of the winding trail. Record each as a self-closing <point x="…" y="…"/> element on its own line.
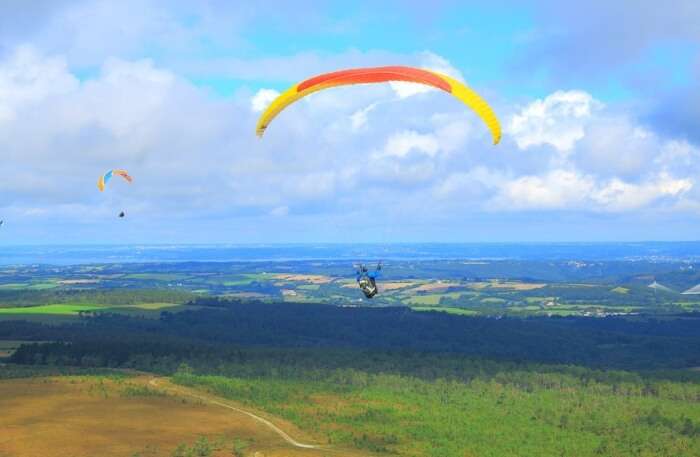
<point x="154" y="383"/>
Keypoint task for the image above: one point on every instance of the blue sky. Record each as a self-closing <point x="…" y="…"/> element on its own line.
<point x="599" y="103"/>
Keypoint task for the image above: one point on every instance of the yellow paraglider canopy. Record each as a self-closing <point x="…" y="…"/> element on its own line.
<point x="383" y="74"/>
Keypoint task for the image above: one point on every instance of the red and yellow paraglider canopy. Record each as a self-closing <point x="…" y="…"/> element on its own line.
<point x="380" y="75"/>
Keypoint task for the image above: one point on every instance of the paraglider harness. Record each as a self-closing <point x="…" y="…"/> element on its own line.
<point x="367" y="280"/>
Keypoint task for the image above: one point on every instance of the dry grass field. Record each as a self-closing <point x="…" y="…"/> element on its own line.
<point x="437" y="286"/>
<point x="313" y="279"/>
<point x="507" y="285"/>
<point x="81" y="416"/>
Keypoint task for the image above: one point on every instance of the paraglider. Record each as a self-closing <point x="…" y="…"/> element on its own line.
<point x="104" y="179"/>
<point x="379" y="75"/>
<point x="367" y="280"/>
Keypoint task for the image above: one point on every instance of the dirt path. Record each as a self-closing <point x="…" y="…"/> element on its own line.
<point x="154" y="383"/>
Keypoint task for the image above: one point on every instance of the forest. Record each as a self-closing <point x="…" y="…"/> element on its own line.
<point x="396" y="381"/>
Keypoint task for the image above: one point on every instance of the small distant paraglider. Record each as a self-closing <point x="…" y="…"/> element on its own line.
<point x="104" y="179"/>
<point x="367" y="280"/>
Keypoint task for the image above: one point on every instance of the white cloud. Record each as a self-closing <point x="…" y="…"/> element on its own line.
<point x="26" y="78"/>
<point x="401" y="144"/>
<point x="262" y="99"/>
<point x="557" y="189"/>
<point x="479" y="182"/>
<point x="558" y="120"/>
<point x="677" y="152"/>
<point x="195" y="156"/>
<point x="358" y="119"/>
<point x="618" y="195"/>
<point x="569" y="189"/>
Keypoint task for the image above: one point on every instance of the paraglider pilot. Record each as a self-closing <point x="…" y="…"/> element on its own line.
<point x="367" y="280"/>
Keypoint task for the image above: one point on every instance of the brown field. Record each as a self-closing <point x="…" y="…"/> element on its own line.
<point x="512" y="285"/>
<point x="245" y="295"/>
<point x="385" y="286"/>
<point x="398" y="285"/>
<point x="437" y="286"/>
<point x="313" y="279"/>
<point x="85" y="416"/>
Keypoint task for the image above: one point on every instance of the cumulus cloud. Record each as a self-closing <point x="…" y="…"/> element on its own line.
<point x="402" y="143"/>
<point x="194" y="156"/>
<point x="557" y="120"/>
<point x="618" y="195"/>
<point x="262" y="99"/>
<point x="572" y="190"/>
<point x="555" y="190"/>
<point x="26" y="78"/>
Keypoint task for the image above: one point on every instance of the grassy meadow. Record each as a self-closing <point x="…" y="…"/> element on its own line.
<point x="519" y="414"/>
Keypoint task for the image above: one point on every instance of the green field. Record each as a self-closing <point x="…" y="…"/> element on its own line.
<point x="157" y="276"/>
<point x="73" y="309"/>
<point x="446" y="309"/>
<point x="29" y="286"/>
<point x="407" y="283"/>
<point x="432" y="299"/>
<point x="58" y="309"/>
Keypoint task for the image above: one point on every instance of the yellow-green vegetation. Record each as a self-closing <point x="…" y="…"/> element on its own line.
<point x="313" y="279"/>
<point x="505" y="285"/>
<point x="57" y="309"/>
<point x="237" y="280"/>
<point x="516" y="413"/>
<point x="446" y="309"/>
<point x="157" y="276"/>
<point x="73" y="309"/>
<point x="428" y="299"/>
<point x="29" y="286"/>
<point x="431" y="299"/>
<point x="620" y="290"/>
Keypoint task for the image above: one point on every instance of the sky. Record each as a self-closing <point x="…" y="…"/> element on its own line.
<point x="599" y="104"/>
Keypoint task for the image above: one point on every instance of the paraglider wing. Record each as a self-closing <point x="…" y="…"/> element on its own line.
<point x="104" y="179"/>
<point x="378" y="75"/>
